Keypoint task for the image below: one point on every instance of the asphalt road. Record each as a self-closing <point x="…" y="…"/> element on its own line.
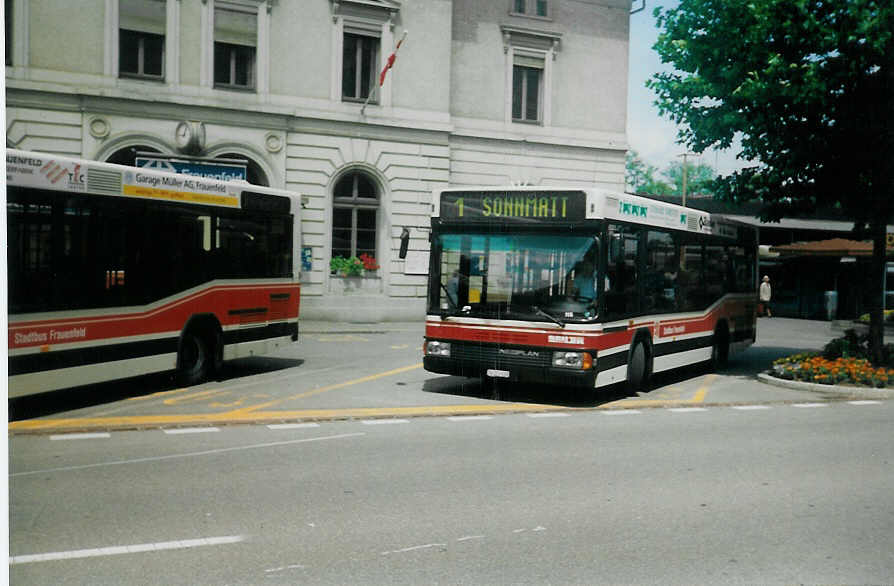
<point x="784" y="493"/>
<point x="342" y="371"/>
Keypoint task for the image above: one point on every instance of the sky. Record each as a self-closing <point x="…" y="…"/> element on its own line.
<point x="651" y="135"/>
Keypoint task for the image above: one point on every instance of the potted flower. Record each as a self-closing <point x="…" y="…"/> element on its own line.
<point x="346" y="267"/>
<point x="369" y="263"/>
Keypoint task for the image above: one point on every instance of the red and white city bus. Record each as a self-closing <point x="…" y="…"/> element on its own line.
<point x="118" y="271"/>
<point x="583" y="287"/>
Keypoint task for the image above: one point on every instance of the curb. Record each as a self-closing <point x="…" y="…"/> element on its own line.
<point x="832" y="390"/>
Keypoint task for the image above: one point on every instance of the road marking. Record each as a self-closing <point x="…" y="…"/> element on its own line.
<point x="810" y="405"/>
<point x="469" y="417"/>
<point x="383" y="421"/>
<point x="185" y="430"/>
<point x="292" y="425"/>
<point x="687" y="409"/>
<point x="864" y="402"/>
<point x="470" y="537"/>
<point x="400" y="346"/>
<point x="415" y="548"/>
<point x="123" y="549"/>
<point x="195" y="397"/>
<point x="189" y="454"/>
<point x="750" y="407"/>
<point x="364" y="379"/>
<point x="621" y="412"/>
<point x="77" y="436"/>
<point x="541" y="415"/>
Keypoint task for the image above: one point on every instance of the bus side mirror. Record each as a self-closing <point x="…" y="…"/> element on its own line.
<point x="404" y="243"/>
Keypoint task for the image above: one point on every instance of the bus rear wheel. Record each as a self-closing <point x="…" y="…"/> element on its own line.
<point x="194" y="361"/>
<point x="637" y="367"/>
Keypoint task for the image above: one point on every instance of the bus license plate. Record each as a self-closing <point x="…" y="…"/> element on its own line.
<point x="494" y="373"/>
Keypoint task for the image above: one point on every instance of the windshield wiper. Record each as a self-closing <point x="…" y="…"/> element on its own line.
<point x="548" y="316"/>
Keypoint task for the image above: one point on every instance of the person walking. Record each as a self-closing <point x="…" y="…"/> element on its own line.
<point x="765" y="294"/>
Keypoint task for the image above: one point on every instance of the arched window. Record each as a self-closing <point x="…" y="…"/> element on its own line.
<point x="355" y="205"/>
<point x="254" y="174"/>
<point x="127" y="156"/>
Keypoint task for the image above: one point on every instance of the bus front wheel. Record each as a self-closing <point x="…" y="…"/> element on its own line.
<point x="194" y="360"/>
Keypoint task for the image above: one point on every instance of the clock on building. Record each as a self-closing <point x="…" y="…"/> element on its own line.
<point x="190" y="136"/>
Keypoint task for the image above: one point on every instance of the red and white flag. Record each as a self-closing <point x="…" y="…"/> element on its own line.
<point x="390" y="63"/>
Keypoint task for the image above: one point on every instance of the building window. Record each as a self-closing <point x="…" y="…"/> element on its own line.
<point x="531" y="8"/>
<point x="141" y="39"/>
<point x="527" y="84"/>
<point x="235" y="40"/>
<point x="355" y="205"/>
<point x="359" y="66"/>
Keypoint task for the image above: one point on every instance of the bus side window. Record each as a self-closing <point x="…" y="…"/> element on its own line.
<point x="622" y="297"/>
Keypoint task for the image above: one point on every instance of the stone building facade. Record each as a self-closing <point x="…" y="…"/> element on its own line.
<point x="482" y="92"/>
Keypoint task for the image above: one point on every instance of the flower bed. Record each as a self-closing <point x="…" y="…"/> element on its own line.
<point x="814" y="368"/>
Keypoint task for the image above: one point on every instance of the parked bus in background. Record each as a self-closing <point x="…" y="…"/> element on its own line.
<point x="583" y="287"/>
<point x="119" y="271"/>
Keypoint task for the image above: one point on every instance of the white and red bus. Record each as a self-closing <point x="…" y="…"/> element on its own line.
<point x="583" y="287"/>
<point x="118" y="271"/>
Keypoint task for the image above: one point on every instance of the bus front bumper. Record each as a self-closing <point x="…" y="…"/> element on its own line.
<point x="518" y="374"/>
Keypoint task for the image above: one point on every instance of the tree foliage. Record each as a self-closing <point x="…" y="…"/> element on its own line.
<point x="807" y="85"/>
<point x="644" y="178"/>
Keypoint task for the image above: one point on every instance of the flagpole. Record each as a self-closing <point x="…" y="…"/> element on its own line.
<point x="388" y="65"/>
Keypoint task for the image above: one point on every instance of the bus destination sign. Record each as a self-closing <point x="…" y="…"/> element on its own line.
<point x="514" y="206"/>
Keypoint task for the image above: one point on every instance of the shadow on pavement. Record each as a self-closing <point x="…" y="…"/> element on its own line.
<point x="72" y="399"/>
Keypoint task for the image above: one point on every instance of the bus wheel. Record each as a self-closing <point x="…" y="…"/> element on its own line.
<point x="720" y="348"/>
<point x="637" y="372"/>
<point x="194" y="361"/>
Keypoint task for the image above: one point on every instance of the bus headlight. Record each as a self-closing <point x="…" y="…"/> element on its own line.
<point x="576" y="360"/>
<point x="436" y="348"/>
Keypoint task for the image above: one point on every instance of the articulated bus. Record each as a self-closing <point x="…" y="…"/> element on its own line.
<point x="583" y="287"/>
<point x="119" y="271"/>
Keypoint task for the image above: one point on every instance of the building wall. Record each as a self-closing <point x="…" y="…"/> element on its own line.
<point x="441" y="118"/>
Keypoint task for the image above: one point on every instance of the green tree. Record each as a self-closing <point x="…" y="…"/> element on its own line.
<point x="699" y="177"/>
<point x="641" y="177"/>
<point x="808" y="86"/>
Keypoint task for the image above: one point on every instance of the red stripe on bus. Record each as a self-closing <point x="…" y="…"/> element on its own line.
<point x="170" y="317"/>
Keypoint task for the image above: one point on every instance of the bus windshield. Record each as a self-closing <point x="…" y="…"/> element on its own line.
<point x="542" y="277"/>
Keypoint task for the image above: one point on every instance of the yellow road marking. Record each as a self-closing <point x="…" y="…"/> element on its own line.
<point x="342" y="338"/>
<point x="329" y="388"/>
<point x="400" y="346"/>
<point x="698" y="397"/>
<point x="201" y="395"/>
<point x="158" y="394"/>
<point x="264" y="416"/>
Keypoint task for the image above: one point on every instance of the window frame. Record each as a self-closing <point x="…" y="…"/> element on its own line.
<point x="530" y="9"/>
<point x="375" y="46"/>
<point x="525" y="94"/>
<point x="252" y="67"/>
<point x="141" y="56"/>
<point x="354" y="203"/>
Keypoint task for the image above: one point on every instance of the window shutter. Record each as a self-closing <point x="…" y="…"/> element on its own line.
<point x="145" y="16"/>
<point x="528" y="61"/>
<point x="235" y="27"/>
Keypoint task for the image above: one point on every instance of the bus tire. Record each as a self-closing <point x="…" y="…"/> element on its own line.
<point x="638" y="365"/>
<point x="720" y="347"/>
<point x="194" y="360"/>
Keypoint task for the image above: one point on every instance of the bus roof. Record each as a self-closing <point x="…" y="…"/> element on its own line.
<point x="527" y="204"/>
<point x="74" y="175"/>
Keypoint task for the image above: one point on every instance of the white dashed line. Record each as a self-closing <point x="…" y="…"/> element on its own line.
<point x="470" y="537"/>
<point x="383" y="421"/>
<point x="687" y="409"/>
<point x="184" y="430"/>
<point x="415" y="548"/>
<point x="622" y="412"/>
<point x="292" y="425"/>
<point x="77" y="436"/>
<point x="810" y="405"/>
<point x="122" y="549"/>
<point x="469" y="417"/>
<point x="542" y="415"/>
<point x="750" y="407"/>
<point x="864" y="402"/>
